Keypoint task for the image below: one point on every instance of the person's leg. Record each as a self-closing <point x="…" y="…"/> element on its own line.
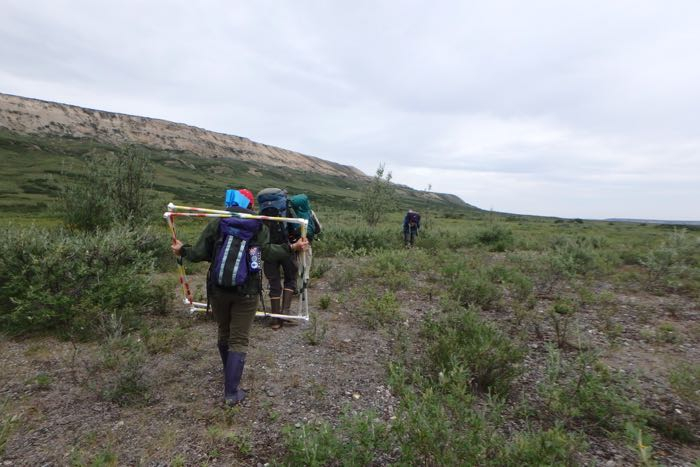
<point x="242" y="314"/>
<point x="220" y="305"/>
<point x="272" y="273"/>
<point x="289" y="266"/>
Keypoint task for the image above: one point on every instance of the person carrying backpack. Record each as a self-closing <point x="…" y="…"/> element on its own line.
<point x="411" y="225"/>
<point x="235" y="248"/>
<point x="281" y="273"/>
<point x="302" y="208"/>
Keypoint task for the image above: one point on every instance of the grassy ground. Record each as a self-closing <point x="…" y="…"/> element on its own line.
<point x="504" y="341"/>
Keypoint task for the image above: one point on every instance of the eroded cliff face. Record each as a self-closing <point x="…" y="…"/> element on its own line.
<point x="32" y="116"/>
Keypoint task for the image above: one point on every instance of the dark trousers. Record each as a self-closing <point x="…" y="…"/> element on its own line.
<point x="272" y="272"/>
<point x="409" y="235"/>
<point x="234" y="314"/>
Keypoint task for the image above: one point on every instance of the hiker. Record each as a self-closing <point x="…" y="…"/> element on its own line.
<point x="411" y="224"/>
<point x="234" y="297"/>
<point x="273" y="202"/>
<point x="302" y="208"/>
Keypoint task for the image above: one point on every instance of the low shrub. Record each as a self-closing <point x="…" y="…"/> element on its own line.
<point x="471" y="287"/>
<point x="344" y="277"/>
<point x="59" y="282"/>
<point x="496" y="236"/>
<point x="685" y="380"/>
<point x="561" y="315"/>
<point x="520" y="285"/>
<point x="586" y="392"/>
<point x="380" y="310"/>
<point x="7" y="424"/>
<point x="554" y="446"/>
<point x="439" y="422"/>
<point x="316" y="332"/>
<point x="459" y="338"/>
<point x="319" y="268"/>
<point x="119" y="375"/>
<point x="324" y="302"/>
<point x="394" y="268"/>
<point x="360" y="439"/>
<point x="163" y="340"/>
<point x="342" y="240"/>
<point x="673" y="265"/>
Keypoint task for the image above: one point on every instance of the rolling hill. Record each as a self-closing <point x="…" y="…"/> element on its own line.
<point x="45" y="144"/>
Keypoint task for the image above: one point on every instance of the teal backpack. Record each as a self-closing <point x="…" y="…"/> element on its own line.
<point x="302" y="208"/>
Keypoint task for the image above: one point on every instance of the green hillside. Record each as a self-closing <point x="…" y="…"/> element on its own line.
<point x="34" y="168"/>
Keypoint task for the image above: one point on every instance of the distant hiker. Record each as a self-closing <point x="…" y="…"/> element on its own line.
<point x="235" y="248"/>
<point x="411" y="225"/>
<point x="273" y="202"/>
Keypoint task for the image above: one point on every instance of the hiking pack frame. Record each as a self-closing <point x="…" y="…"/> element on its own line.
<point x="302" y="256"/>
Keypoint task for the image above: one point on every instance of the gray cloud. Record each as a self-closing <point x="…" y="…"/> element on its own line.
<point x="562" y="108"/>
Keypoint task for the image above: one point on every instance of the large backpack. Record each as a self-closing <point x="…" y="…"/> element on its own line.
<point x="273" y="202"/>
<point x="236" y="258"/>
<point x="413" y="219"/>
<point x="302" y="208"/>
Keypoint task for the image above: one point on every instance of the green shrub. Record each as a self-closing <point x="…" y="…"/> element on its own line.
<point x="7" y="424"/>
<point x="360" y="439"/>
<point x="459" y="338"/>
<point x="380" y="310"/>
<point x="343" y="278"/>
<point x="474" y="288"/>
<point x="575" y="255"/>
<point x="393" y="268"/>
<point x="441" y="427"/>
<point x="550" y="447"/>
<point x="561" y="314"/>
<point x="378" y="198"/>
<point x="497" y="236"/>
<point x="84" y="206"/>
<point x="350" y="241"/>
<point x="668" y="333"/>
<point x="588" y="392"/>
<point x="324" y="302"/>
<point x="439" y="422"/>
<point x="120" y="376"/>
<point x="319" y="267"/>
<point x="114" y="189"/>
<point x="685" y="380"/>
<point x="316" y="331"/>
<point x="55" y="281"/>
<point x="674" y="264"/>
<point x="519" y="284"/>
<point x="161" y="340"/>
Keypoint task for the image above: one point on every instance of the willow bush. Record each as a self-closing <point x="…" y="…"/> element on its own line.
<point x="66" y="283"/>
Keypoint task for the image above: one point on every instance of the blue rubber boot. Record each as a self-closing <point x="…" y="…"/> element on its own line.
<point x="235" y="361"/>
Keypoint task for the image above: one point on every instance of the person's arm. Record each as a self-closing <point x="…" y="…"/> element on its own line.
<point x="203" y="249"/>
<point x="274" y="251"/>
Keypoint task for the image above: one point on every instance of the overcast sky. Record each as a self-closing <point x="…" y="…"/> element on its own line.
<point x="576" y="109"/>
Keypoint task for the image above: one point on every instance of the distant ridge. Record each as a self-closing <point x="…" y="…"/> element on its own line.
<point x="33" y="116"/>
<point x="653" y="221"/>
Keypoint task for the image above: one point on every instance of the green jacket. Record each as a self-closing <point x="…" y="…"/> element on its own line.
<point x="203" y="250"/>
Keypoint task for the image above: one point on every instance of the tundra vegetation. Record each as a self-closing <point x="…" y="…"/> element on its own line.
<point x="496" y="340"/>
